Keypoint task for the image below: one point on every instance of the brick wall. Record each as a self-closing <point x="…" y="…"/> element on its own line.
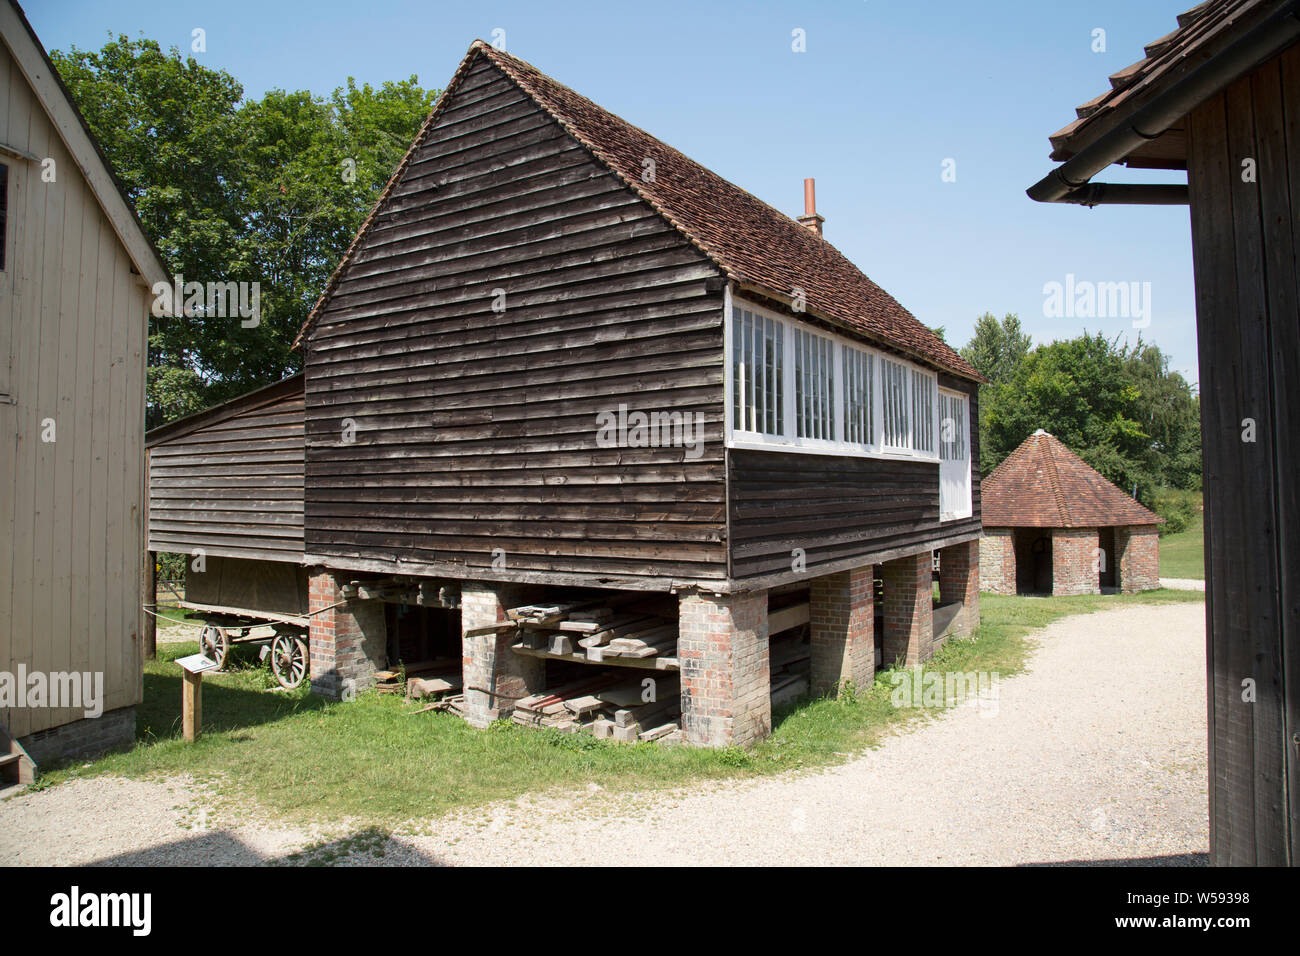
<point x="1075" y="562"/>
<point x="998" y="561"/>
<point x="494" y="675"/>
<point x="841" y="612"/>
<point x="87" y="737"/>
<point x="909" y="606"/>
<point x="725" y="679"/>
<point x="1137" y="549"/>
<point x="347" y="643"/>
<point x="959" y="580"/>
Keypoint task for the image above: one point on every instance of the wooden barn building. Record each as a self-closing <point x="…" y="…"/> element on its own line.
<point x="564" y="368"/>
<point x="1054" y="525"/>
<point x="75" y="275"/>
<point x="1220" y="97"/>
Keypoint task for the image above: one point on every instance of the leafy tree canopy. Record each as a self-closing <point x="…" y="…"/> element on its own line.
<point x="237" y="190"/>
<point x="1119" y="408"/>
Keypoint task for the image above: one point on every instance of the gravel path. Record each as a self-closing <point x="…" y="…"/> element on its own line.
<point x="1097" y="753"/>
<point x="1183" y="584"/>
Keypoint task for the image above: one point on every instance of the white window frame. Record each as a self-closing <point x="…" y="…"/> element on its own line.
<point x="967" y="508"/>
<point x="837" y="445"/>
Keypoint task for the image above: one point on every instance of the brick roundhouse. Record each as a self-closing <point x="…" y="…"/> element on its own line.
<point x="1052" y="524"/>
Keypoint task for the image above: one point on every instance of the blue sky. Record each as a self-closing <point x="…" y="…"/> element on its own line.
<point x="883" y="95"/>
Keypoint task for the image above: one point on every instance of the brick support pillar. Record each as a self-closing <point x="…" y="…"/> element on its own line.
<point x="959" y="580"/>
<point x="1137" y="552"/>
<point x="841" y="611"/>
<point x="909" y="609"/>
<point x="494" y="675"/>
<point x="725" y="677"/>
<point x="998" y="561"/>
<point x="347" y="643"/>
<point x="1076" y="565"/>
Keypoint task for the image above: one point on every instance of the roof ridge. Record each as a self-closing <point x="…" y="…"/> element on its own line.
<point x="364" y="229"/>
<point x="1055" y="478"/>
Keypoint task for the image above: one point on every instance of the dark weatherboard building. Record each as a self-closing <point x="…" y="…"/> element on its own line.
<point x="1220" y="97"/>
<point x="561" y="363"/>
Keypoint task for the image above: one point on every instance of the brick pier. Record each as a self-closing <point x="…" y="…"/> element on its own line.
<point x="725" y="680"/>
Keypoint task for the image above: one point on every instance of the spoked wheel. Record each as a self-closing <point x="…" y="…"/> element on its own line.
<point x="288" y="660"/>
<point x="214" y="642"/>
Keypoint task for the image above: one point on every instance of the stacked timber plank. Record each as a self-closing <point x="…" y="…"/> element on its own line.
<point x="608" y="706"/>
<point x="434" y="679"/>
<point x="630" y="631"/>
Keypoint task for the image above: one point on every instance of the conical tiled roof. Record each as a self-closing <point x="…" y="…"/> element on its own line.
<point x="1042" y="484"/>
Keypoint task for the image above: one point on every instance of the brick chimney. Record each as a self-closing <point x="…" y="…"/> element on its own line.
<point x="810" y="217"/>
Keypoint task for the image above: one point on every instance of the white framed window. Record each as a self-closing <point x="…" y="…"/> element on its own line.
<point x="757" y="373"/>
<point x="895" y="405"/>
<point x="924" y="411"/>
<point x="859" y="377"/>
<point x="814" y="386"/>
<point x="954" y="456"/>
<point x="790" y="386"/>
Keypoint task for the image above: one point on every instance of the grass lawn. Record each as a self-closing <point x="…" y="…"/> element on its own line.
<point x="375" y="761"/>
<point x="1182" y="555"/>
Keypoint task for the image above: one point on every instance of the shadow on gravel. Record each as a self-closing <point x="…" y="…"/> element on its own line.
<point x="219" y="848"/>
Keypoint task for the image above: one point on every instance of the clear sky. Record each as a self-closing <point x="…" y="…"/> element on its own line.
<point x="884" y="94"/>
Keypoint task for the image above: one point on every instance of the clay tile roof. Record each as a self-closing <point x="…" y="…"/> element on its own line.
<point x="1202" y="32"/>
<point x="1042" y="484"/>
<point x="747" y="239"/>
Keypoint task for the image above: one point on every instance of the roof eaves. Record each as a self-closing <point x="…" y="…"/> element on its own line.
<point x="143" y="253"/>
<point x="506" y="64"/>
<point x="222" y="411"/>
<point x="364" y="229"/>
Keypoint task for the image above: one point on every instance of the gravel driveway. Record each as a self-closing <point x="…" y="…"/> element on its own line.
<point x="1096" y="753"/>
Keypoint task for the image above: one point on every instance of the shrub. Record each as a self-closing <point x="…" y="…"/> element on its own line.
<point x="1177" y="507"/>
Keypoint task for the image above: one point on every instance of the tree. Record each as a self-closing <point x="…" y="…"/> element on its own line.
<point x="1117" y="408"/>
<point x="232" y="190"/>
<point x="997" y="348"/>
<point x="169" y="128"/>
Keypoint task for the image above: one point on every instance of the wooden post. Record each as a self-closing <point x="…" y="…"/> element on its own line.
<point x="192" y="706"/>
<point x="149" y="626"/>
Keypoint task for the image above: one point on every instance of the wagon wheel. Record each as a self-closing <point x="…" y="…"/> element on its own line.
<point x="214" y="643"/>
<point x="288" y="660"/>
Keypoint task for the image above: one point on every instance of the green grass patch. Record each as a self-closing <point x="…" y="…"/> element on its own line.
<point x="1182" y="555"/>
<point x="376" y="762"/>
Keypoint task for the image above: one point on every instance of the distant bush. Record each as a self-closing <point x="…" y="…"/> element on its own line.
<point x="1177" y="507"/>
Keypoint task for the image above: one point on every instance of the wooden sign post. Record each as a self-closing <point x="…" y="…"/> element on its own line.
<point x="192" y="694"/>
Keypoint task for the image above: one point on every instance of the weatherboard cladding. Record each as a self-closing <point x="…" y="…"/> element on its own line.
<point x="1042" y="484"/>
<point x="475" y="429"/>
<point x="474" y="452"/>
<point x="839" y="510"/>
<point x="230" y="480"/>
